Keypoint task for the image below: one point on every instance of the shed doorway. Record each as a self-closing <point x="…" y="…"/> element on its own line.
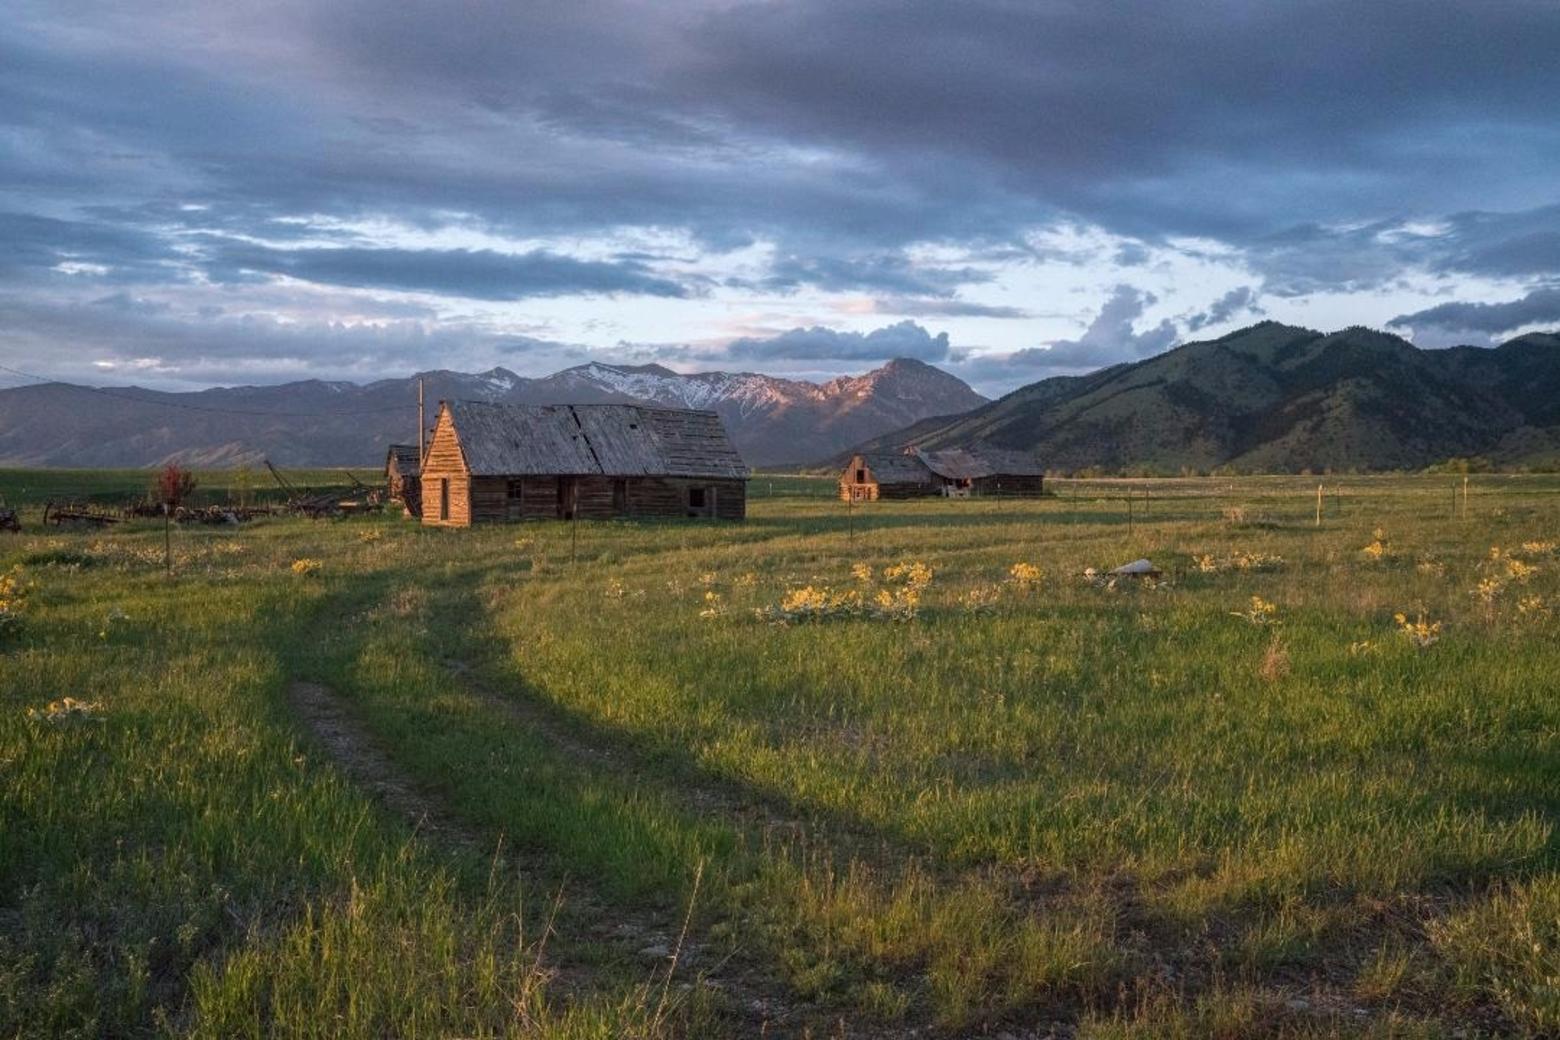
<point x="568" y="497"/>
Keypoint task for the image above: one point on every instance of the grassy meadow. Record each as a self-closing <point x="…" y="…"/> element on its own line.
<point x="903" y="768"/>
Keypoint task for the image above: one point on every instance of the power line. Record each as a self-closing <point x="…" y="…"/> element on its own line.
<point x="105" y="392"/>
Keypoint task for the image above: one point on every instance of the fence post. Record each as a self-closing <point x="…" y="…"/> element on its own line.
<point x="1318" y="505"/>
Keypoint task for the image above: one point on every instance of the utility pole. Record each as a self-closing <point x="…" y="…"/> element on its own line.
<point x="422" y="426"/>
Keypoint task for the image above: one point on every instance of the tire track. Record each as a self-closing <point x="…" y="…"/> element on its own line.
<point x="358" y="754"/>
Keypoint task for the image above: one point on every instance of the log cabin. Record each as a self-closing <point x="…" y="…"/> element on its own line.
<point x="403" y="476"/>
<point x="956" y="472"/>
<point x="500" y="462"/>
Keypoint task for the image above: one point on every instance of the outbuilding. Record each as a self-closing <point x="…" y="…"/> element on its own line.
<point x="955" y="472"/>
<point x="403" y="477"/>
<point x="497" y="462"/>
<point x="872" y="475"/>
<point x="986" y="472"/>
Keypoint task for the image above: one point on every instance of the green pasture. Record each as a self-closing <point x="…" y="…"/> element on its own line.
<point x="772" y="777"/>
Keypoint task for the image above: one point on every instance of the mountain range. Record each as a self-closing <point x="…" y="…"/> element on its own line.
<point x="1267" y="398"/>
<point x="1277" y="398"/>
<point x="315" y="423"/>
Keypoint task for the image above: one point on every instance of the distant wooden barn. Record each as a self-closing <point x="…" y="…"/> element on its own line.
<point x="498" y="462"/>
<point x="986" y="472"/>
<point x="872" y="475"/>
<point x="403" y="476"/>
<point x="956" y="472"/>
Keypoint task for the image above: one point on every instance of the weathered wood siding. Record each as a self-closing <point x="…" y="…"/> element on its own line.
<point x="408" y="492"/>
<point x="495" y="499"/>
<point x="870" y="488"/>
<point x="1009" y="486"/>
<point x="445" y="462"/>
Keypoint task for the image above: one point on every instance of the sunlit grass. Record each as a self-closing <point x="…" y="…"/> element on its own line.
<point x="926" y="769"/>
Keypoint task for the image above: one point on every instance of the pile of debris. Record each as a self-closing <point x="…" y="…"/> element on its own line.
<point x="58" y="513"/>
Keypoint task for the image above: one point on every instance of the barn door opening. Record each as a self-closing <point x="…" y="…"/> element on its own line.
<point x="620" y="497"/>
<point x="444" y="498"/>
<point x="514" y="500"/>
<point x="567" y="497"/>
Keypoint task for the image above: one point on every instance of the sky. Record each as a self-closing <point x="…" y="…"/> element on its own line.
<point x="205" y="192"/>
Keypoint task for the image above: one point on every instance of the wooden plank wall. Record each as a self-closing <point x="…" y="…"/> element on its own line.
<point x="445" y="462"/>
<point x="1009" y="486"/>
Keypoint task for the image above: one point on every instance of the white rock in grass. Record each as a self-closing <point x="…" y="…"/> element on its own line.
<point x="1137" y="568"/>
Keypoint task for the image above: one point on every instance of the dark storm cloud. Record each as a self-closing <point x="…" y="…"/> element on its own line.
<point x="31" y="244"/>
<point x="1219" y="118"/>
<point x="1300" y="137"/>
<point x="1539" y="307"/>
<point x="475" y="274"/>
<point x="905" y="339"/>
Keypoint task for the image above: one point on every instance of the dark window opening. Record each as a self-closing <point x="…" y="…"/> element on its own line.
<point x="620" y="496"/>
<point x="444" y="498"/>
<point x="861" y="476"/>
<point x="515" y="489"/>
<point x="696" y="498"/>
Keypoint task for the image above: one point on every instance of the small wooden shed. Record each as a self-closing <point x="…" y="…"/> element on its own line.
<point x="403" y="476"/>
<point x="984" y="471"/>
<point x="872" y="475"/>
<point x="497" y="462"/>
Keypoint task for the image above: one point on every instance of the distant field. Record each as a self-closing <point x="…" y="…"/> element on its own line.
<point x="837" y="770"/>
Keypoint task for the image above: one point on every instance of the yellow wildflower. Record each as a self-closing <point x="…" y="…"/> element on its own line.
<point x="1025" y="575"/>
<point x="1532" y="607"/>
<point x="1261" y="612"/>
<point x="1520" y="572"/>
<point x="1420" y="633"/>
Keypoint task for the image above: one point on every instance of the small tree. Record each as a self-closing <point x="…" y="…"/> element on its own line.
<point x="173" y="485"/>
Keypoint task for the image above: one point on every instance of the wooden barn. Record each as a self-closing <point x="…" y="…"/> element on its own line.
<point x="872" y="475"/>
<point x="498" y="462"/>
<point x="985" y="472"/>
<point x="955" y="472"/>
<point x="403" y="476"/>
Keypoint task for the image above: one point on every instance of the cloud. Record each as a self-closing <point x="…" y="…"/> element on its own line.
<point x="1539" y="307"/>
<point x="1110" y="339"/>
<point x="856" y="143"/>
<point x="1242" y="300"/>
<point x="905" y="339"/>
<point x="935" y="308"/>
<point x="886" y="271"/>
<point x="480" y="274"/>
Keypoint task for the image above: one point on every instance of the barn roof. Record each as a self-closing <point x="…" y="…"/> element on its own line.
<point x="616" y="440"/>
<point x="981" y="461"/>
<point x="405" y="459"/>
<point x="895" y="467"/>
